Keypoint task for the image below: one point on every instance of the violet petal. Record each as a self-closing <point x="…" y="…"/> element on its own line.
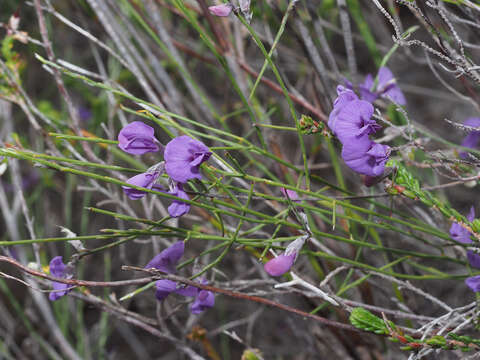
<point x="473" y="259"/>
<point x="354" y="120"/>
<point x="164" y="288"/>
<point x="58" y="269"/>
<point x="280" y="265"/>
<point x="204" y="300"/>
<point x="365" y="156"/>
<point x="290" y="194"/>
<point x="146" y="180"/>
<point x="138" y="138"/>
<point x="473" y="283"/>
<point x="168" y="259"/>
<point x="178" y="208"/>
<point x="183" y="156"/>
<point x="220" y="10"/>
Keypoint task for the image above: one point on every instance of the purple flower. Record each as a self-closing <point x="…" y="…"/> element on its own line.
<point x="138" y="138"/>
<point x="386" y="87"/>
<point x="58" y="269"/>
<point x="364" y="89"/>
<point x="282" y="263"/>
<point x="365" y="156"/>
<point x="473" y="259"/>
<point x="473" y="138"/>
<point x="345" y="95"/>
<point x="168" y="259"/>
<point x="146" y="180"/>
<point x="220" y="10"/>
<point x="459" y="233"/>
<point x="290" y="194"/>
<point x="473" y="283"/>
<point x="462" y="235"/>
<point x="204" y="300"/>
<point x="353" y="121"/>
<point x="178" y="208"/>
<point x="189" y="290"/>
<point x="164" y="288"/>
<point x="350" y="120"/>
<point x="183" y="157"/>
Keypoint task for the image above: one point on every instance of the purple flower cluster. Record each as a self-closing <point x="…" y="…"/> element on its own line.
<point x="59" y="270"/>
<point x="167" y="262"/>
<point x="462" y="235"/>
<point x="182" y="159"/>
<point x="350" y="120"/>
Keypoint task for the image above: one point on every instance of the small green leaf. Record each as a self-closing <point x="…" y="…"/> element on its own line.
<point x="365" y="320"/>
<point x="436" y="341"/>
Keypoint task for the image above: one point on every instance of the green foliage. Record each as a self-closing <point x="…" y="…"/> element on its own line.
<point x="309" y="126"/>
<point x="467" y="340"/>
<point x="436" y="341"/>
<point x="365" y="320"/>
<point x="402" y="177"/>
<point x="13" y="65"/>
<point x="406" y="184"/>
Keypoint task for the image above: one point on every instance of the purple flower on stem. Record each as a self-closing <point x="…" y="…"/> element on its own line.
<point x="282" y="263"/>
<point x="167" y="262"/>
<point x="168" y="259"/>
<point x="145" y="180"/>
<point x="290" y="194"/>
<point x="221" y="10"/>
<point x="178" y="208"/>
<point x="366" y="156"/>
<point x="364" y="89"/>
<point x="473" y="283"/>
<point x="473" y="259"/>
<point x="164" y="288"/>
<point x="345" y="96"/>
<point x="204" y="300"/>
<point x="473" y="138"/>
<point x="350" y="120"/>
<point x="459" y="233"/>
<point x="138" y="138"/>
<point x="386" y="87"/>
<point x="353" y="121"/>
<point x="183" y="157"/>
<point x="58" y="269"/>
<point x="462" y="235"/>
